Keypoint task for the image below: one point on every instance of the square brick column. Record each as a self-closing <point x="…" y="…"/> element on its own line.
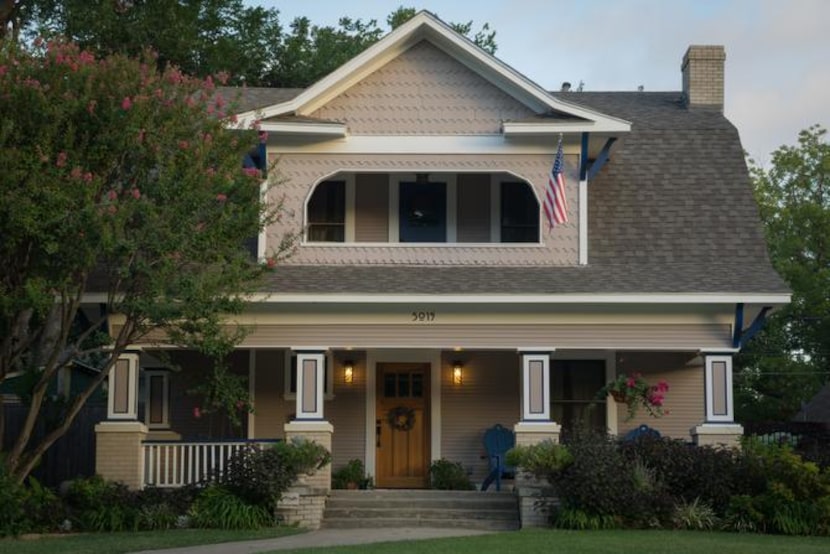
<point x="319" y="432"/>
<point x="119" y="454"/>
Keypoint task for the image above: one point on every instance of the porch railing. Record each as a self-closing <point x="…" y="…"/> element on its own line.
<point x="179" y="463"/>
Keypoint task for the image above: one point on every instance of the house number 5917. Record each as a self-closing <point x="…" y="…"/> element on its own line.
<point x="423" y="317"/>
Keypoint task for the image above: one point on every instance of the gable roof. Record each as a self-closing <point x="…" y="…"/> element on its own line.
<point x="426" y="26"/>
<point x="672" y="212"/>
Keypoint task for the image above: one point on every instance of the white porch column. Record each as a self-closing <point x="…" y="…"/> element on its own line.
<point x="310" y="385"/>
<point x="719" y="427"/>
<point x="536" y="424"/>
<point x="119" y="454"/>
<point x="309" y="423"/>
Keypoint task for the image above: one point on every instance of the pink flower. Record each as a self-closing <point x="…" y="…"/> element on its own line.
<point x="271" y="262"/>
<point x="208" y="138"/>
<point x="662" y="386"/>
<point x="126" y="104"/>
<point x="631" y="382"/>
<point x="251" y="171"/>
<point x="61" y="161"/>
<point x="221" y="197"/>
<point x="76" y="172"/>
<point x="136" y="193"/>
<point x="3" y="70"/>
<point x="91" y="106"/>
<point x="197" y="413"/>
<point x="141" y="135"/>
<point x="88" y="177"/>
<point x="112" y="195"/>
<point x="184" y="145"/>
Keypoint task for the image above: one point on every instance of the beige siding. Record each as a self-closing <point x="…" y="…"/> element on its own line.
<point x="271" y="409"/>
<point x="303" y="171"/>
<point x="685" y="399"/>
<point x="489" y="395"/>
<point x="347" y="411"/>
<point x="473" y="205"/>
<point x="423" y="92"/>
<point x="371" y="207"/>
<point x="680" y="336"/>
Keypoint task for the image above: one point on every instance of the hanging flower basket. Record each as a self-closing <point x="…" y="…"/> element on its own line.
<point x="635" y="392"/>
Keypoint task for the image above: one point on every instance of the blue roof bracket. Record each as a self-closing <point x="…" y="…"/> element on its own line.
<point x="740" y="335"/>
<point x="602" y="158"/>
<point x="583" y="159"/>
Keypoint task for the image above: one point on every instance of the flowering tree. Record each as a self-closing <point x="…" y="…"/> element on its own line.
<point x="125" y="182"/>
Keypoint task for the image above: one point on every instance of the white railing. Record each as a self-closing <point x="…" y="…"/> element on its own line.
<point x="176" y="464"/>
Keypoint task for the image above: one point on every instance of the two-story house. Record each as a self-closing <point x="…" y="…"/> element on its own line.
<point x="428" y="298"/>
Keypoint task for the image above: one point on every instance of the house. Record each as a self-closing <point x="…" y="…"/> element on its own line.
<point x="429" y="300"/>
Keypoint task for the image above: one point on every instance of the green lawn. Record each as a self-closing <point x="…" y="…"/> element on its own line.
<point x="611" y="542"/>
<point x="116" y="543"/>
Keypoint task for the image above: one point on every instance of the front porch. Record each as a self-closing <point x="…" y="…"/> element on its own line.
<point x="447" y="398"/>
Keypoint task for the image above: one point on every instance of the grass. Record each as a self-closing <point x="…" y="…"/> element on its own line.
<point x="117" y="543"/>
<point x="599" y="542"/>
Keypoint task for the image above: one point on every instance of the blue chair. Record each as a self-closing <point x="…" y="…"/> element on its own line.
<point x="497" y="441"/>
<point x="641" y="432"/>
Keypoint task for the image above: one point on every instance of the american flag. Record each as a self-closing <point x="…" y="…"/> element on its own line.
<point x="556" y="205"/>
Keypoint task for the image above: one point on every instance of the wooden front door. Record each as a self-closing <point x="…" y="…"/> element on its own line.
<point x="402" y="426"/>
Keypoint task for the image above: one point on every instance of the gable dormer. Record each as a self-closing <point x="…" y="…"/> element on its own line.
<point x="425" y="149"/>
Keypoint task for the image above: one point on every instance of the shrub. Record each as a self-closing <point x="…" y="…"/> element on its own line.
<point x="577" y="520"/>
<point x="217" y="507"/>
<point x="543" y="459"/>
<point x="447" y="475"/>
<point x="153" y="517"/>
<point x="351" y="475"/>
<point x="45" y="511"/>
<point x="261" y="476"/>
<point x="98" y="505"/>
<point x="12" y="513"/>
<point x="694" y="516"/>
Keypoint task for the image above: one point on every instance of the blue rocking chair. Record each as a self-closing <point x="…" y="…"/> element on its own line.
<point x="497" y="441"/>
<point x="643" y="431"/>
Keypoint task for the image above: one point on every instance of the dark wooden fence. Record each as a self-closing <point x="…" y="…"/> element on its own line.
<point x="71" y="456"/>
<point x="811" y="440"/>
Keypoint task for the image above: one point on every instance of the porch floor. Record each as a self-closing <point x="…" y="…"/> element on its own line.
<point x="494" y="511"/>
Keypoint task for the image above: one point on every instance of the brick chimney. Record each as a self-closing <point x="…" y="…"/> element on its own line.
<point x="703" y="76"/>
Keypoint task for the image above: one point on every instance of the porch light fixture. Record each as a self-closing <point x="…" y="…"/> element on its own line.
<point x="348" y="372"/>
<point x="457" y="374"/>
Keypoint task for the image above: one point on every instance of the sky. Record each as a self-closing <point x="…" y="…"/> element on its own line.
<point x="777" y="52"/>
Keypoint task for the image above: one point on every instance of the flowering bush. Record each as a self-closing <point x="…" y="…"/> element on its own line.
<point x="635" y="392"/>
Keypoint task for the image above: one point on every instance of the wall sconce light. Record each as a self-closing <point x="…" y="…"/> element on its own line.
<point x="348" y="372"/>
<point x="457" y="374"/>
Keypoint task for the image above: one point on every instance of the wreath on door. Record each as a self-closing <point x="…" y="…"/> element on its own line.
<point x="401" y="418"/>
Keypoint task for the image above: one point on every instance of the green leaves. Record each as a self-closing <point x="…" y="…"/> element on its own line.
<point x="787" y="363"/>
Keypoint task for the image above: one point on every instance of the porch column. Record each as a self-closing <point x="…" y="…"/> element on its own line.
<point x="536" y="424"/>
<point x="310" y="423"/>
<point x="719" y="428"/>
<point x="119" y="453"/>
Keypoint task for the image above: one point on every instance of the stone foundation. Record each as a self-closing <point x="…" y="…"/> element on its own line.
<point x="536" y="496"/>
<point x="713" y="434"/>
<point x="119" y="454"/>
<point x="303" y="506"/>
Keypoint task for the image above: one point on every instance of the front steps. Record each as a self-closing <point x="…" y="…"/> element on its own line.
<point x="495" y="511"/>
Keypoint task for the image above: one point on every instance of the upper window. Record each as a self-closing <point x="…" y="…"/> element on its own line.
<point x="519" y="213"/>
<point x="327" y="212"/>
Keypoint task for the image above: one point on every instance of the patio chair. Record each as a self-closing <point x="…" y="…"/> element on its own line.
<point x="641" y="432"/>
<point x="497" y="441"/>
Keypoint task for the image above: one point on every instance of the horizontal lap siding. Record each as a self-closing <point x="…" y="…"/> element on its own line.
<point x="347" y="411"/>
<point x="371" y="207"/>
<point x="473" y="219"/>
<point x="684" y="400"/>
<point x="271" y="408"/>
<point x="489" y="395"/>
<point x="651" y="336"/>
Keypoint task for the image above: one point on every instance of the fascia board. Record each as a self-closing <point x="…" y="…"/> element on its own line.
<point x="303" y="128"/>
<point x="546" y="128"/>
<point x="425" y="25"/>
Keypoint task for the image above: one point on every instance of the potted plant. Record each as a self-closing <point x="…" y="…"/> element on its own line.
<point x="635" y="392"/>
<point x="351" y="476"/>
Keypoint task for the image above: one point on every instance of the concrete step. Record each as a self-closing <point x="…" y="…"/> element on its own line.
<point x="422" y="508"/>
<point x="351" y="523"/>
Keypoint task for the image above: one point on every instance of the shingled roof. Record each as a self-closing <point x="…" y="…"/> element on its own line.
<point x="671" y="212"/>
